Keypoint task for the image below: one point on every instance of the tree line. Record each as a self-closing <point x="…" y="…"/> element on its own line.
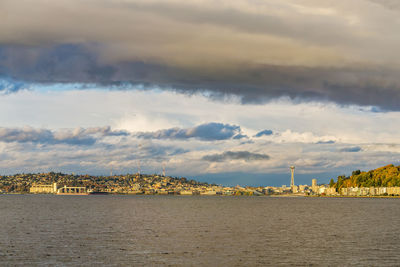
<point x="387" y="176"/>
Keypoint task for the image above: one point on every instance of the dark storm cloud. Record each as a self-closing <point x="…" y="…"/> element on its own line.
<point x="264" y="132"/>
<point x="207" y="132"/>
<point x="236" y="155"/>
<point x="62" y="63"/>
<point x="325" y="142"/>
<point x="305" y="50"/>
<point x="254" y="84"/>
<point x="240" y="136"/>
<point x="351" y="149"/>
<point x="78" y="136"/>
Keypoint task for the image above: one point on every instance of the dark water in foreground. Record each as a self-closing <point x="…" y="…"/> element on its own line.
<point x="207" y="231"/>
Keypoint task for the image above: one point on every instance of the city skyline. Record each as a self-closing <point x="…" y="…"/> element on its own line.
<point x="233" y="93"/>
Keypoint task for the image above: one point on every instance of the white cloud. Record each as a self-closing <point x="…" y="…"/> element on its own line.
<point x="290" y="136"/>
<point x="301" y="134"/>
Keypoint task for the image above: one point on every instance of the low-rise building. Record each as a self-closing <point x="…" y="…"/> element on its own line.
<point x="331" y="191"/>
<point x="186" y="192"/>
<point x="43" y="188"/>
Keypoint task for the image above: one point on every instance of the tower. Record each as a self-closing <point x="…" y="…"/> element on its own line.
<point x="292" y="180"/>
<point x="314" y="185"/>
<point x="314" y="182"/>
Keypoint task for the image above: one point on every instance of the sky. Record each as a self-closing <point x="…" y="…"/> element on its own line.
<point x="228" y="92"/>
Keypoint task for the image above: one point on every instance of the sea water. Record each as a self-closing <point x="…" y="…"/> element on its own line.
<point x="119" y="230"/>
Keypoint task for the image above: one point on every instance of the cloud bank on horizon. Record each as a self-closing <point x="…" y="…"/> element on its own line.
<point x="345" y="52"/>
<point x="186" y="150"/>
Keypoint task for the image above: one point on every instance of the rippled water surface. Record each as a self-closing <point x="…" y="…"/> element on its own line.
<point x="198" y="230"/>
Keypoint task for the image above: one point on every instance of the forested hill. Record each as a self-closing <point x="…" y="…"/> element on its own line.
<point x="386" y="176"/>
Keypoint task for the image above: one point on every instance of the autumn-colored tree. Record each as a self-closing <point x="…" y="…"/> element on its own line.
<point x="386" y="176"/>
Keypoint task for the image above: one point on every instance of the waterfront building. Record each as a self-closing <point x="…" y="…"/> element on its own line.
<point x="162" y="191"/>
<point x="322" y="189"/>
<point x="186" y="192"/>
<point x="208" y="193"/>
<point x="382" y="190"/>
<point x="331" y="191"/>
<point x="268" y="190"/>
<point x="295" y="189"/>
<point x="393" y="190"/>
<point x="72" y="190"/>
<point x="303" y="188"/>
<point x="43" y="188"/>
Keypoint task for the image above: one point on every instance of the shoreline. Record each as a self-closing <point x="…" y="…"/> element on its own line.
<point x="356" y="196"/>
<point x="270" y="196"/>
